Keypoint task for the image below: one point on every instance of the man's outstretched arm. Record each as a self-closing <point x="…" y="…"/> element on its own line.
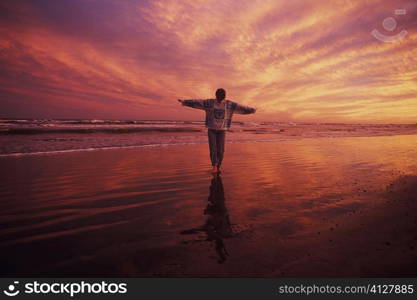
<point x="194" y="103"/>
<point x="242" y="109"/>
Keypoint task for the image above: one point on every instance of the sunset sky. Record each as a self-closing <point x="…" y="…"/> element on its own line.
<point x="298" y="60"/>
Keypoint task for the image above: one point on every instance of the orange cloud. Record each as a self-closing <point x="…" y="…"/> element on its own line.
<point x="301" y="60"/>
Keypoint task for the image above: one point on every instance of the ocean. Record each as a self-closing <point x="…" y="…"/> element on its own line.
<point x="43" y="136"/>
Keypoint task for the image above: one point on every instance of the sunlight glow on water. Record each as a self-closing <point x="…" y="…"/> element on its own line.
<point x="89" y="202"/>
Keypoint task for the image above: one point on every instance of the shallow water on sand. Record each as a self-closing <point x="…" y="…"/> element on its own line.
<point x="31" y="137"/>
<point x="313" y="207"/>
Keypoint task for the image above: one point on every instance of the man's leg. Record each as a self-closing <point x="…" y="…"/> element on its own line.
<point x="212" y="146"/>
<point x="220" y="143"/>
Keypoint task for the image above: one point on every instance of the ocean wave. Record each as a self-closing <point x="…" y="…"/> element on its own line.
<point x="93" y="149"/>
<point x="51" y="152"/>
<point x="64" y="151"/>
<point x="93" y="122"/>
<point x="86" y="130"/>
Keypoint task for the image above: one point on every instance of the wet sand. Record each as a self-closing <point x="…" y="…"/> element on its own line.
<point x="325" y="207"/>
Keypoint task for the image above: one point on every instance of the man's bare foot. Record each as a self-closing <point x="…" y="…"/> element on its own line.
<point x="218" y="170"/>
<point x="214" y="170"/>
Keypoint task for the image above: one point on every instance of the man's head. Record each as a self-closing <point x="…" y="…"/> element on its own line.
<point x="220" y="94"/>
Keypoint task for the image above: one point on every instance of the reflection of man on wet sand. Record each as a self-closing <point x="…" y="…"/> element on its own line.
<point x="217" y="225"/>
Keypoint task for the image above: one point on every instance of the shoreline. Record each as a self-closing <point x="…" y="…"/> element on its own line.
<point x="286" y="139"/>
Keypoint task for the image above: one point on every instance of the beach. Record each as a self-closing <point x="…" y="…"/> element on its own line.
<point x="310" y="207"/>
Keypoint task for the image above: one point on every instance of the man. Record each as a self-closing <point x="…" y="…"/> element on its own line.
<point x="219" y="114"/>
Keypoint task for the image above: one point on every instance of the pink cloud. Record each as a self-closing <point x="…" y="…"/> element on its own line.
<point x="300" y="60"/>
